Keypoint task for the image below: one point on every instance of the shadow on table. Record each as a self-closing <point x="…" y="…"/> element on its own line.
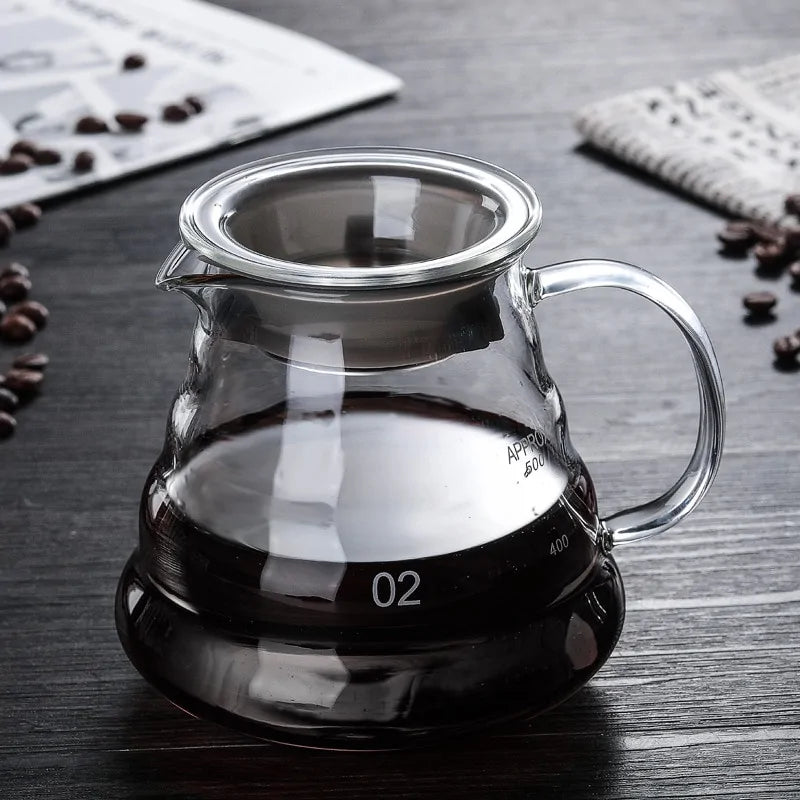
<point x="571" y="752"/>
<point x="607" y="160"/>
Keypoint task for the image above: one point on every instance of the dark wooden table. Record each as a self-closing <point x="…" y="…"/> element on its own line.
<point x="702" y="696"/>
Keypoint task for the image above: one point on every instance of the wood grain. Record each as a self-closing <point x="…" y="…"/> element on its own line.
<point x="702" y="696"/>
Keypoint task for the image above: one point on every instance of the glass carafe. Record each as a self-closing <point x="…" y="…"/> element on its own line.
<point x="368" y="525"/>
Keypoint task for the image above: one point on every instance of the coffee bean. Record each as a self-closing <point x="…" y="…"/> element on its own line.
<point x="8" y="400"/>
<point x="786" y="348"/>
<point x="794" y="273"/>
<point x="7" y="227"/>
<point x="194" y="103"/>
<point x="770" y="255"/>
<point x="766" y="232"/>
<point x="174" y="113"/>
<point x="792" y="204"/>
<point x="90" y="124"/>
<point x="736" y="238"/>
<point x="134" y="61"/>
<point x="15" y="268"/>
<point x="37" y="361"/>
<point x="47" y="156"/>
<point x="15" y="164"/>
<point x="34" y="311"/>
<point x="24" y="382"/>
<point x="791" y="238"/>
<point x="14" y="287"/>
<point x="740" y="225"/>
<point x="84" y="161"/>
<point x="25" y="215"/>
<point x="17" y="328"/>
<point x="7" y="425"/>
<point x="130" y="121"/>
<point x="23" y="147"/>
<point x="759" y="303"/>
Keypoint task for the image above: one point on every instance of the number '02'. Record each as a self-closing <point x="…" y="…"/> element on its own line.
<point x="384" y="589"/>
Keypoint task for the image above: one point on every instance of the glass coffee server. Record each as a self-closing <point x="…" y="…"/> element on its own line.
<point x="368" y="525"/>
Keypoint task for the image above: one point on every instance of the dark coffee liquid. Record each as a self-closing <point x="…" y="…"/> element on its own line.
<point x="369" y="570"/>
<point x="378" y="510"/>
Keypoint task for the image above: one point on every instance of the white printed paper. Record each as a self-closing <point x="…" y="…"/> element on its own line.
<point x="61" y="60"/>
<point x="731" y="138"/>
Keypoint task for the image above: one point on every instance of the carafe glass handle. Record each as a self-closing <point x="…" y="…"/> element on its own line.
<point x="672" y="506"/>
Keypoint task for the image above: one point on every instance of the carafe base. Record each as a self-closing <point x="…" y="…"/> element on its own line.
<point x="374" y="688"/>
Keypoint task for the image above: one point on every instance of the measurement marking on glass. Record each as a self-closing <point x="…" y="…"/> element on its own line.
<point x="384" y="589"/>
<point x="530" y="450"/>
<point x="533" y="464"/>
<point x="523" y="445"/>
<point x="559" y="545"/>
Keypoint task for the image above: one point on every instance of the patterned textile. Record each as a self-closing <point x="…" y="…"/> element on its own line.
<point x="732" y="138"/>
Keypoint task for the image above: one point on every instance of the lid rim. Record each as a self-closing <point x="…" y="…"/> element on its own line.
<point x="205" y="208"/>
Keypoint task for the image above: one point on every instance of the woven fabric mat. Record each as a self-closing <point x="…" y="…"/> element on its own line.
<point x="732" y="138"/>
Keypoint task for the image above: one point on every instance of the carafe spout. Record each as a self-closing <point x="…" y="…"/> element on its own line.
<point x="184" y="271"/>
<point x="174" y="273"/>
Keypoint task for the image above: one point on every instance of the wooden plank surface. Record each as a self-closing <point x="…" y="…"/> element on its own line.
<point x="702" y="696"/>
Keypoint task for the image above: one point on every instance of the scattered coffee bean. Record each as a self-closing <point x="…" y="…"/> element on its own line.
<point x="84" y="161"/>
<point x="759" y="303"/>
<point x="47" y="156"/>
<point x="766" y="232"/>
<point x="7" y="227"/>
<point x="791" y="238"/>
<point x="14" y="287"/>
<point x="25" y="215"/>
<point x="34" y="311"/>
<point x="8" y="400"/>
<point x="15" y="164"/>
<point x="37" y="361"/>
<point x="19" y="323"/>
<point x="195" y="103"/>
<point x="130" y="121"/>
<point x="24" y="147"/>
<point x="15" y="268"/>
<point x="734" y="243"/>
<point x="90" y="124"/>
<point x="7" y="425"/>
<point x="792" y="204"/>
<point x="17" y="328"/>
<point x="737" y="237"/>
<point x="770" y="255"/>
<point x="777" y="246"/>
<point x="24" y="382"/>
<point x="174" y="113"/>
<point x="134" y="61"/>
<point x="786" y="348"/>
